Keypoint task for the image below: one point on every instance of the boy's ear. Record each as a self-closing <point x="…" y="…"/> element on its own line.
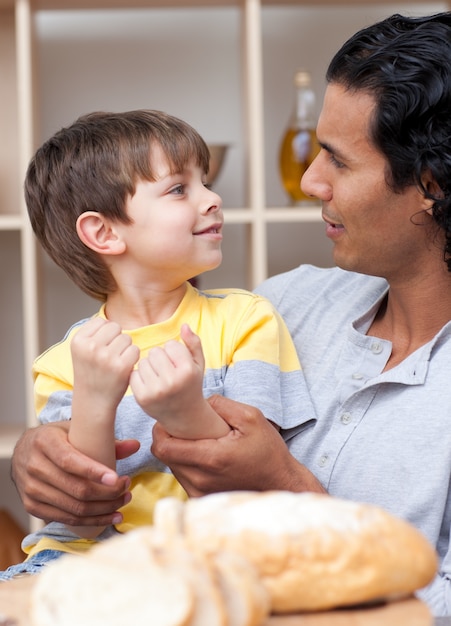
<point x="98" y="233"/>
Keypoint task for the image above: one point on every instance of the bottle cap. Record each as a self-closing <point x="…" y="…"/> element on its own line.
<point x="302" y="78"/>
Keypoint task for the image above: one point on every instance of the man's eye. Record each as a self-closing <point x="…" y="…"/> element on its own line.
<point x="335" y="162"/>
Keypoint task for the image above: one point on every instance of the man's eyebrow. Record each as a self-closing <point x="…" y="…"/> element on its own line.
<point x="331" y="150"/>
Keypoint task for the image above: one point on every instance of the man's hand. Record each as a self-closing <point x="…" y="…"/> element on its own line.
<point x="252" y="456"/>
<point x="56" y="482"/>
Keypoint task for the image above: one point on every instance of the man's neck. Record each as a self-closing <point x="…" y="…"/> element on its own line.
<point x="410" y="316"/>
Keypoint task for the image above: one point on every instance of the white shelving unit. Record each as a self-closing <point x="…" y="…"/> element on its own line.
<point x="20" y="318"/>
<point x="27" y="318"/>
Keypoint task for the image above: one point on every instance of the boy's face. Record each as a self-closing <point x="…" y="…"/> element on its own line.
<point x="176" y="231"/>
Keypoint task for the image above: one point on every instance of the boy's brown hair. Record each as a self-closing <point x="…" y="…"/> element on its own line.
<point x="94" y="165"/>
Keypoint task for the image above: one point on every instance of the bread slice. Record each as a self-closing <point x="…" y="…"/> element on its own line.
<point x="79" y="590"/>
<point x="148" y="576"/>
<point x="209" y="603"/>
<point x="312" y="551"/>
<point x="246" y="599"/>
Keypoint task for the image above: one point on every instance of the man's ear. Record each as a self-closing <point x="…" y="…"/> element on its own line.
<point x="432" y="187"/>
<point x="98" y="233"/>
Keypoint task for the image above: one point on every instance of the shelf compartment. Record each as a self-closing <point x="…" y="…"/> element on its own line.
<point x="9" y="148"/>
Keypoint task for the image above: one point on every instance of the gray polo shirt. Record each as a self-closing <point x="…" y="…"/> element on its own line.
<point x="379" y="437"/>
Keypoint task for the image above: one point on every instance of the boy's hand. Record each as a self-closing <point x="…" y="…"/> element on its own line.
<point x="103" y="358"/>
<point x="169" y="380"/>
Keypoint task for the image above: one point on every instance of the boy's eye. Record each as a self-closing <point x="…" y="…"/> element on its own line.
<point x="177" y="189"/>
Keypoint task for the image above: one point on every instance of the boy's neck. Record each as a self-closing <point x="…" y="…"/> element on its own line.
<point x="135" y="309"/>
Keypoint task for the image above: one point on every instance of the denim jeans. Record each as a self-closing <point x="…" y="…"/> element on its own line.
<point x="33" y="565"/>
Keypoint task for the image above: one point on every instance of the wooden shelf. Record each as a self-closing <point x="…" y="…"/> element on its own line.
<point x="286" y="215"/>
<point x="9" y="435"/>
<point x="11" y="222"/>
<point x="39" y="5"/>
<point x="124" y="4"/>
<point x="274" y="215"/>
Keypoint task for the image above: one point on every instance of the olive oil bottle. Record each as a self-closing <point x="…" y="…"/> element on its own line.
<point x="299" y="145"/>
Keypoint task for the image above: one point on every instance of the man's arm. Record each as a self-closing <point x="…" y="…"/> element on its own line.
<point x="57" y="482"/>
<point x="252" y="456"/>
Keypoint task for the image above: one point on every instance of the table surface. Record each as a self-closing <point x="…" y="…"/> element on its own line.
<point x="15" y="605"/>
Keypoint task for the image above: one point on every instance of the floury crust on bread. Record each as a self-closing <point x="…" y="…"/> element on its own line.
<point x="312" y="551"/>
<point x="142" y="577"/>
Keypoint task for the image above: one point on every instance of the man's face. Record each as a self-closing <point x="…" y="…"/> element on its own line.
<point x="374" y="230"/>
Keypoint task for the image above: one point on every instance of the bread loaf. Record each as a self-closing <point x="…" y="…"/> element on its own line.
<point x="230" y="559"/>
<point x="312" y="551"/>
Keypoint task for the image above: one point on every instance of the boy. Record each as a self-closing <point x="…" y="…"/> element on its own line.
<point x="118" y="200"/>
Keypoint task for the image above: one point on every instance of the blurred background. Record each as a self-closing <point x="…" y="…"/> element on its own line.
<point x="188" y="62"/>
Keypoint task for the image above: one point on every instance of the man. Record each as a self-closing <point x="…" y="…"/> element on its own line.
<point x="373" y="334"/>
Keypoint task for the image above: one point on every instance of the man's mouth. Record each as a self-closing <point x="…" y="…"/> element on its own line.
<point x="333" y="228"/>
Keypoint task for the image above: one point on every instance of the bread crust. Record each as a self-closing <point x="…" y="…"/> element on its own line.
<point x="313" y="552"/>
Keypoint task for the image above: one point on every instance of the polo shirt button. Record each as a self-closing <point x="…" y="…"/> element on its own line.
<point x="345" y="418"/>
<point x="376" y="348"/>
<point x="323" y="460"/>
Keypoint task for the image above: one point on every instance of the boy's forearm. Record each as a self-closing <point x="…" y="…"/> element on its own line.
<point x="91" y="431"/>
<point x="201" y="422"/>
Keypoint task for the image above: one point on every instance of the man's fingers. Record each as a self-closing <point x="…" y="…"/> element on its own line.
<point x="178" y="452"/>
<point x="72" y="510"/>
<point x="47" y="512"/>
<point x="75" y="465"/>
<point x="126" y="448"/>
<point x="236" y="414"/>
<point x="57" y="482"/>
